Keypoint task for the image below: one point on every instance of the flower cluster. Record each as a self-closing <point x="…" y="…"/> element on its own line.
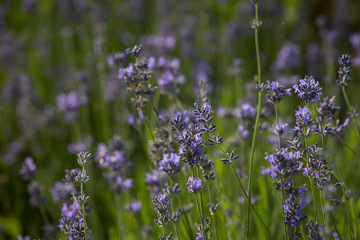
<point x="344" y="73"/>
<point x="190" y="138"/>
<point x="170" y="164"/>
<point x="308" y="89"/>
<point x="170" y="78"/>
<point x="318" y="167"/>
<point x="69" y="104"/>
<point x="135" y="77"/>
<point x="28" y="169"/>
<point x="73" y="214"/>
<point x="162" y="209"/>
<point x="304" y="122"/>
<point x="276" y="91"/>
<point x="113" y="159"/>
<point x="283" y="164"/>
<point x="194" y="185"/>
<point x="293" y="210"/>
<point x="327" y="108"/>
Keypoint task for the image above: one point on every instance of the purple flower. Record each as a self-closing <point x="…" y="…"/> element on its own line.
<point x="244" y="133"/>
<point x="303" y="120"/>
<point x="344" y="73"/>
<point x="28" y="169"/>
<point x="62" y="192"/>
<point x="36" y="193"/>
<point x="276" y="91"/>
<point x="279" y="129"/>
<point x="248" y="111"/>
<point x="161" y="199"/>
<point x="194" y="184"/>
<point x="134" y="207"/>
<point x="355" y="41"/>
<point x="170" y="165"/>
<point x="199" y="236"/>
<point x="327" y="108"/>
<point x="336" y="236"/>
<point x="308" y="89"/>
<point x="23" y="237"/>
<point x="202" y="115"/>
<point x="288" y="57"/>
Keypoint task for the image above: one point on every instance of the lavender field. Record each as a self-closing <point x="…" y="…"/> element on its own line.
<point x="187" y="120"/>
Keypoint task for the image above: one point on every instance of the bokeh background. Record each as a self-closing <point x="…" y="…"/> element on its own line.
<point x="52" y="48"/>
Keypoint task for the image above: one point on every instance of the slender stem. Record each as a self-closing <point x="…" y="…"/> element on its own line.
<point x="256" y="122"/>
<point x="172" y="210"/>
<point x="323" y="147"/>
<point x="345" y="144"/>
<point x="311" y="180"/>
<point x="281" y="181"/>
<point x="340" y="180"/>
<point x="118" y="214"/>
<point x="350" y="108"/>
<point x="246" y="195"/>
<point x="212" y="215"/>
<point x="201" y="216"/>
<point x="163" y="229"/>
<point x="321" y="129"/>
<point x="43" y="214"/>
<point x="190" y="233"/>
<point x="83" y="204"/>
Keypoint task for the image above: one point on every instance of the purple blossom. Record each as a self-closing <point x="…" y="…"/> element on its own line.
<point x="355" y="41"/>
<point x="304" y="120"/>
<point x="308" y="89"/>
<point x="344" y="73"/>
<point x="134" y="207"/>
<point x="199" y="236"/>
<point x="327" y="108"/>
<point x="244" y="133"/>
<point x="170" y="164"/>
<point x="36" y="193"/>
<point x="62" y="192"/>
<point x="161" y="199"/>
<point x="336" y="236"/>
<point x="293" y="208"/>
<point x="279" y="129"/>
<point x="248" y="111"/>
<point x="153" y="180"/>
<point x="194" y="184"/>
<point x="202" y="115"/>
<point x="288" y="57"/>
<point x="276" y="91"/>
<point x="28" y="169"/>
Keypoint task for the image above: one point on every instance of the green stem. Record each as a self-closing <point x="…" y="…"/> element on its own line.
<point x="346" y="145"/>
<point x="201" y="216"/>
<point x="83" y="204"/>
<point x="256" y="121"/>
<point x="172" y="210"/>
<point x="351" y="108"/>
<point x="282" y="187"/>
<point x="340" y="180"/>
<point x="311" y="180"/>
<point x="118" y="215"/>
<point x="323" y="147"/>
<point x="212" y="215"/>
<point x="321" y="129"/>
<point x="246" y="195"/>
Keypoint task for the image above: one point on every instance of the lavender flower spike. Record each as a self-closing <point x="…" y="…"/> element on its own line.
<point x="344" y="73"/>
<point x="194" y="184"/>
<point x="308" y="89"/>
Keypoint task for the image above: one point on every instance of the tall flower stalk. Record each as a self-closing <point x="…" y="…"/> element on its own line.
<point x="344" y="75"/>
<point x="255" y="24"/>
